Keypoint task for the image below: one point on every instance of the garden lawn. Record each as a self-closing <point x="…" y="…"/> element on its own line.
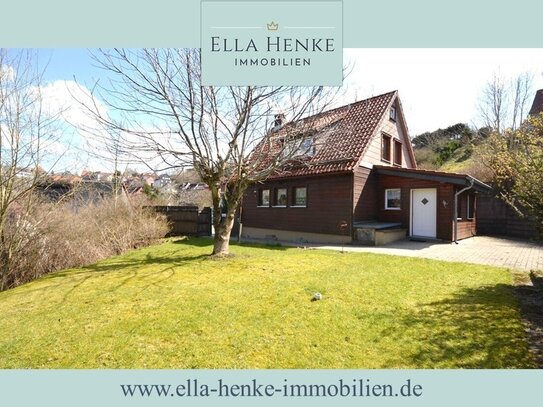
<point x="172" y="306"/>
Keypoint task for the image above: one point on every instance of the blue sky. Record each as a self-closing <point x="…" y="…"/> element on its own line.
<point x="64" y="63"/>
<point x="438" y="87"/>
<point x="454" y="76"/>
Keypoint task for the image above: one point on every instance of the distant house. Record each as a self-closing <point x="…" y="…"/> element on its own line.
<point x="358" y="181"/>
<point x="537" y="105"/>
<point x="161" y="181"/>
<point x="76" y="190"/>
<point x="149" y="178"/>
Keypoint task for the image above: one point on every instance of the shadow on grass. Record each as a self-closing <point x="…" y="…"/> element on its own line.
<point x="129" y="267"/>
<point x="208" y="242"/>
<point x="130" y="264"/>
<point x="531" y="306"/>
<point x="267" y="246"/>
<point x="477" y="328"/>
<point x="148" y="260"/>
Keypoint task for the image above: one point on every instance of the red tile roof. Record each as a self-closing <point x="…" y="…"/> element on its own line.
<point x="341" y="136"/>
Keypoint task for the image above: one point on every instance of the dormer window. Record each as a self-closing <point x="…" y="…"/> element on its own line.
<point x="307" y="147"/>
<point x="297" y="147"/>
<point x="392" y="113"/>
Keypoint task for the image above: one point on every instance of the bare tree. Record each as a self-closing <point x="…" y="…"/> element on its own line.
<point x="25" y="134"/>
<point x="521" y="88"/>
<point x="504" y="104"/>
<point x="156" y="100"/>
<point x="493" y="105"/>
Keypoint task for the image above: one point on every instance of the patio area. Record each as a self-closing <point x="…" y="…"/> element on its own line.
<point x="492" y="251"/>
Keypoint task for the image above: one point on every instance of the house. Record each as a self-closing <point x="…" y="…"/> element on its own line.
<point x="161" y="181"/>
<point x="537" y="105"/>
<point x="358" y="181"/>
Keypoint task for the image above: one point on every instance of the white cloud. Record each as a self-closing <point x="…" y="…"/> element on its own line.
<point x="7" y="73"/>
<point x="88" y="145"/>
<point x="438" y="87"/>
<point x="80" y="134"/>
<point x="67" y="99"/>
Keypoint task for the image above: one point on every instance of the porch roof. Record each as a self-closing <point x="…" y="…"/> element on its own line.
<point x="463" y="180"/>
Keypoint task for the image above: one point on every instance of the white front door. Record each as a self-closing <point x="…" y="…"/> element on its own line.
<point x="423" y="212"/>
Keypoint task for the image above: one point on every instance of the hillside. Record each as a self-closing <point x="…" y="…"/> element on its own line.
<point x="457" y="148"/>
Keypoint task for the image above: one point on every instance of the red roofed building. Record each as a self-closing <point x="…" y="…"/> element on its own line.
<point x="357" y="180"/>
<point x="537" y="105"/>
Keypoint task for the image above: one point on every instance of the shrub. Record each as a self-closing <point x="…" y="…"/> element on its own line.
<point x="52" y="237"/>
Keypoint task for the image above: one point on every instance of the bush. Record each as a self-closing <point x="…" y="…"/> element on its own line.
<point x="52" y="237"/>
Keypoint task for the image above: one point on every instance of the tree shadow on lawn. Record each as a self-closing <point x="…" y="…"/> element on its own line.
<point x="476" y="328"/>
<point x="531" y="306"/>
<point x="208" y="242"/>
<point x="137" y="263"/>
<point x="130" y="268"/>
<point x="137" y="268"/>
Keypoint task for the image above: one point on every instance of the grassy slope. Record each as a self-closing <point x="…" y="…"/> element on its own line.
<point x="170" y="306"/>
<point x="465" y="160"/>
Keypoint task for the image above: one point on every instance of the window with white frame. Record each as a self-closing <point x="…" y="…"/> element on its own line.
<point x="393" y="199"/>
<point x="280" y="198"/>
<point x="392" y="113"/>
<point x="297" y="147"/>
<point x="300" y="196"/>
<point x="307" y="147"/>
<point x="264" y="197"/>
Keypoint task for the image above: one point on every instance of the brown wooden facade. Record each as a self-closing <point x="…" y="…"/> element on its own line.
<point x="329" y="203"/>
<point x="348" y="198"/>
<point x="366" y="150"/>
<point x="445" y="206"/>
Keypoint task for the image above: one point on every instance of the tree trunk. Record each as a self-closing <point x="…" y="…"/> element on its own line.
<point x="221" y="244"/>
<point x="4" y="263"/>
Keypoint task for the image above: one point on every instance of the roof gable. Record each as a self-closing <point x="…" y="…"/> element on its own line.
<point x="396" y="128"/>
<point x="341" y="137"/>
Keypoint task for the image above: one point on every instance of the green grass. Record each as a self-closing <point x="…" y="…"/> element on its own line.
<point x="171" y="306"/>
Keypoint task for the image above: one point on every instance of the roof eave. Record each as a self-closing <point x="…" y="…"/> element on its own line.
<point x="455" y="179"/>
<point x="478" y="185"/>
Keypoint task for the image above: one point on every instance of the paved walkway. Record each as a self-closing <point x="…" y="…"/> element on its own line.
<point x="493" y="251"/>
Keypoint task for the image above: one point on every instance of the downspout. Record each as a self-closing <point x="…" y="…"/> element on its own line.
<point x="455" y="216"/>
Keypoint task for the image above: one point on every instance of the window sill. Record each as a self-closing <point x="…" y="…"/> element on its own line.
<point x="385" y="161"/>
<point x="393" y="209"/>
<point x="299" y="206"/>
<point x="279" y="206"/>
<point x="263" y="206"/>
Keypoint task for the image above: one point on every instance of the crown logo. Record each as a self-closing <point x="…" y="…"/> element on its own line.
<point x="272" y="26"/>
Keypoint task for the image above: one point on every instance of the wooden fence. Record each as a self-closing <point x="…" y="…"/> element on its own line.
<point x="186" y="220"/>
<point x="495" y="217"/>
